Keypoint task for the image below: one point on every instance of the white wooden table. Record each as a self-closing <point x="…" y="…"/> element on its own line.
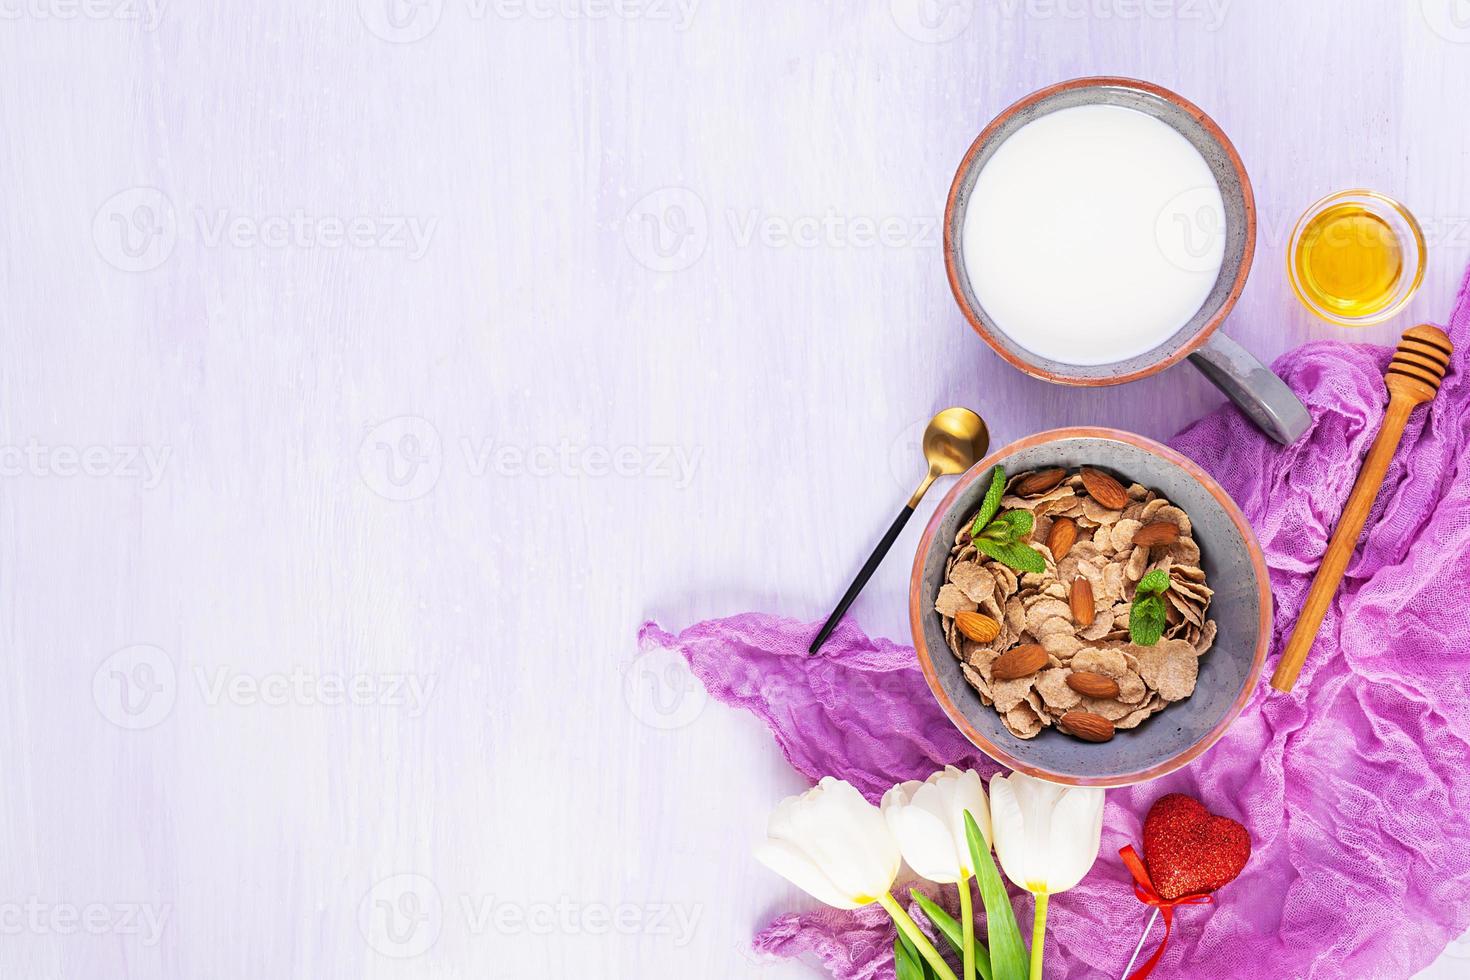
<point x="373" y="370"/>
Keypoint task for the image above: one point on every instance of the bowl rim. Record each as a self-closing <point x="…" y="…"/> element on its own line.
<point x="918" y="608"/>
<point x="1222" y="312"/>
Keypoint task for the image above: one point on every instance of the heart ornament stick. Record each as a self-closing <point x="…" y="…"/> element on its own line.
<point x="1188" y="853"/>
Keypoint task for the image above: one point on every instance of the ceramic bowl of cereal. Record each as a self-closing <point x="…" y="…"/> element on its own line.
<point x="1090" y="607"/>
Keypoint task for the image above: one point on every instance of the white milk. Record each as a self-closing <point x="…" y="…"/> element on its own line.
<point x="1093" y="234"/>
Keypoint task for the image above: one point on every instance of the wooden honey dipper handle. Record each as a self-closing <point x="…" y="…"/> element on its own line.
<point x="1412" y="378"/>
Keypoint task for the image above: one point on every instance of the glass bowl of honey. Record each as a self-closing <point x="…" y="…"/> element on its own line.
<point x="1356" y="258"/>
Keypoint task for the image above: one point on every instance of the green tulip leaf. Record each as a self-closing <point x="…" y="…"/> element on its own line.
<point x="943" y="922"/>
<point x="906" y="961"/>
<point x="946" y="926"/>
<point x="1008" y="957"/>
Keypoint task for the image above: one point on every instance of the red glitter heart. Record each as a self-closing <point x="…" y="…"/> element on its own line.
<point x="1189" y="850"/>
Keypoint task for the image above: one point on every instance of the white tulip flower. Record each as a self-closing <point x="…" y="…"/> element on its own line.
<point x="1047" y="837"/>
<point x="835" y="846"/>
<point x="928" y="820"/>
<point x="832" y="844"/>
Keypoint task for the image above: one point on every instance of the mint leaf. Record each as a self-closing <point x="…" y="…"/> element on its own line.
<point x="999" y="536"/>
<point x="1017" y="524"/>
<point x="991" y="504"/>
<point x="1146" y="620"/>
<point x="1154" y="582"/>
<point x="1022" y="558"/>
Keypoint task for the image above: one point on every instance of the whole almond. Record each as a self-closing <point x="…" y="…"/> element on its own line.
<point x="1061" y="537"/>
<point x="1092" y="684"/>
<point x="1083" y="607"/>
<point x="1104" y="489"/>
<point x="1086" y="726"/>
<point x="1039" y="482"/>
<point x="977" y="626"/>
<point x="1018" y="662"/>
<point x="1157" y="533"/>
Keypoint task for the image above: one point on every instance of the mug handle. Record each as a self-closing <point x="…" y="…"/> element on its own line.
<point x="1252" y="386"/>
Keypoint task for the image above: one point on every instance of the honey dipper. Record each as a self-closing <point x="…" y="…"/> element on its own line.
<point x="1412" y="378"/>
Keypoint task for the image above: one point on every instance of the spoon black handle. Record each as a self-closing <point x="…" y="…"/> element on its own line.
<point x="874" y="560"/>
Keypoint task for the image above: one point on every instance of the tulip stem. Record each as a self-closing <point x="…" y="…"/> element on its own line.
<point x="910" y="928"/>
<point x="967" y="926"/>
<point x="1038" y="935"/>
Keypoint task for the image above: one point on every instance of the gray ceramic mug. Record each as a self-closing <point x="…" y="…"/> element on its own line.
<point x="1263" y="396"/>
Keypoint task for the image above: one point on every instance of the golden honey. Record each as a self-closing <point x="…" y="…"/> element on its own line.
<point x="1348" y="260"/>
<point x="1356" y="258"/>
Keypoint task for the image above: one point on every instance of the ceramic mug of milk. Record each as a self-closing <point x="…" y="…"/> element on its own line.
<point x="1102" y="229"/>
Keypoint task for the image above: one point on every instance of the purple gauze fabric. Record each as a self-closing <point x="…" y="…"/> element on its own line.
<point x="1355" y="788"/>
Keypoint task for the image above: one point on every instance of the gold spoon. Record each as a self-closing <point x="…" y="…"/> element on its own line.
<point x="954" y="440"/>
